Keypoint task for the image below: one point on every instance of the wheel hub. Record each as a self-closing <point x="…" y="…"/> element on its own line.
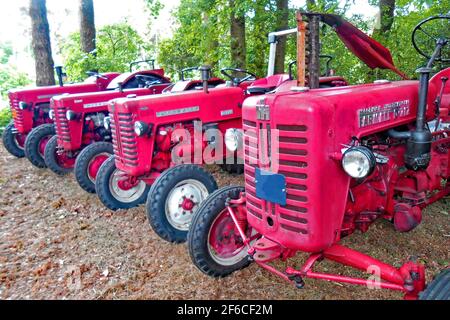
<point x="183" y="201"/>
<point x="124" y="188"/>
<point x="94" y="165"/>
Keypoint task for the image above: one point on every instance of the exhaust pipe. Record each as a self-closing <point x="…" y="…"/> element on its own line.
<point x="205" y="76"/>
<point x="59" y="73"/>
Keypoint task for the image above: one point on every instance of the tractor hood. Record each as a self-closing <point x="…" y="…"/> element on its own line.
<point x="368" y="50"/>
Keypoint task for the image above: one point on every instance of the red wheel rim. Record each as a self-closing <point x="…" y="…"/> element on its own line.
<point x="95" y="164"/>
<point x="20" y="140"/>
<point x="64" y="160"/>
<point x="225" y="244"/>
<point x="43" y="144"/>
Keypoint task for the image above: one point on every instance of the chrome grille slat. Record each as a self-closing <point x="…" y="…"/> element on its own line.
<point x="124" y="139"/>
<point x="61" y="123"/>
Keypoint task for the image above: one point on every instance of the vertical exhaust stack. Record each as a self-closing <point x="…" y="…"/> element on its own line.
<point x="418" y="152"/>
<point x="205" y="76"/>
<point x="59" y="73"/>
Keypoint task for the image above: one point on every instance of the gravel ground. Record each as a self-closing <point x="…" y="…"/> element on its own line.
<point x="57" y="242"/>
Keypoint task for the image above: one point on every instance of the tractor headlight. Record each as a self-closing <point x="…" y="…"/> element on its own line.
<point x="51" y="114"/>
<point x="23" y="105"/>
<point x="233" y="139"/>
<point x="107" y="123"/>
<point x="358" y="162"/>
<point x="141" y="128"/>
<point x="71" y="115"/>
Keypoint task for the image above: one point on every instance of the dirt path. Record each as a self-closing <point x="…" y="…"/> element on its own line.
<point x="57" y="242"/>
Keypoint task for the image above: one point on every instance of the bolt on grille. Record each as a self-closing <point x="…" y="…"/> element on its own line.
<point x="292" y="154"/>
<point x="18" y="114"/>
<point x="61" y="123"/>
<point x="124" y="139"/>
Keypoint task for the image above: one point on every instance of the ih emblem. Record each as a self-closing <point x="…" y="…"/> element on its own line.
<point x="263" y="110"/>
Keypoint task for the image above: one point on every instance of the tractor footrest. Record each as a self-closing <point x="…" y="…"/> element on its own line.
<point x="267" y="250"/>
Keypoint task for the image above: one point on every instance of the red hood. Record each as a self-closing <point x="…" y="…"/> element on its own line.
<point x="368" y="50"/>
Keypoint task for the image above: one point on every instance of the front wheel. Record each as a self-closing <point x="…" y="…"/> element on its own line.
<point x="439" y="288"/>
<point x="214" y="243"/>
<point x="175" y="197"/>
<point x="116" y="190"/>
<point x="13" y="141"/>
<point x="36" y="142"/>
<point x="89" y="162"/>
<point x="60" y="163"/>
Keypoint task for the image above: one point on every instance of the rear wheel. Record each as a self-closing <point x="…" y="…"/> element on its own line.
<point x="14" y="142"/>
<point x="439" y="288"/>
<point x="88" y="164"/>
<point x="175" y="197"/>
<point x="36" y="142"/>
<point x="116" y="190"/>
<point x="61" y="163"/>
<point x="214" y="243"/>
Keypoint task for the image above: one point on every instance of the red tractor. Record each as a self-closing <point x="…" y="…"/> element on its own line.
<point x="383" y="149"/>
<point x="79" y="122"/>
<point x="30" y="109"/>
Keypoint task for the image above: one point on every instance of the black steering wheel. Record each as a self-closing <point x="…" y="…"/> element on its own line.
<point x="430" y="32"/>
<point x="96" y="74"/>
<point x="237" y="81"/>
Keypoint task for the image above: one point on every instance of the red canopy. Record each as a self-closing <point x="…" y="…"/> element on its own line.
<point x="368" y="50"/>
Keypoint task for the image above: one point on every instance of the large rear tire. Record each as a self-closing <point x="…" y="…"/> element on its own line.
<point x="174" y="198"/>
<point x="89" y="162"/>
<point x="212" y="227"/>
<point x="439" y="288"/>
<point x="36" y="142"/>
<point x="112" y="190"/>
<point x="61" y="164"/>
<point x="13" y="142"/>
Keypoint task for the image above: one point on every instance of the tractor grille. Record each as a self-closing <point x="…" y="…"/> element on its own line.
<point x="124" y="139"/>
<point x="61" y="123"/>
<point x="17" y="113"/>
<point x="292" y="154"/>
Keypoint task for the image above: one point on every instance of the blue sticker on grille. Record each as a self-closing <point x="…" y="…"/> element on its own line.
<point x="271" y="186"/>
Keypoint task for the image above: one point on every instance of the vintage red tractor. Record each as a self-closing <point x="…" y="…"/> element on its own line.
<point x="30" y="109"/>
<point x="323" y="163"/>
<point x="79" y="122"/>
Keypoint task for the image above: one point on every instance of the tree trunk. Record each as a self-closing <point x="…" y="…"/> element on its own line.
<point x="238" y="41"/>
<point x="40" y="38"/>
<point x="282" y="24"/>
<point x="87" y="25"/>
<point x="387" y="8"/>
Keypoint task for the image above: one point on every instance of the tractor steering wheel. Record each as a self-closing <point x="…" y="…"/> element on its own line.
<point x="96" y="74"/>
<point x="428" y="33"/>
<point x="238" y="81"/>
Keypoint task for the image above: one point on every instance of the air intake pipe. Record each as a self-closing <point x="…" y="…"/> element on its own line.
<point x="59" y="73"/>
<point x="418" y="149"/>
<point x="205" y="76"/>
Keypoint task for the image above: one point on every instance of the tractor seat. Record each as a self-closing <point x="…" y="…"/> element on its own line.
<point x="265" y="85"/>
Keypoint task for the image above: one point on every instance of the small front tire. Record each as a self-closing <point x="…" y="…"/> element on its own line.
<point x="214" y="243"/>
<point x="114" y="189"/>
<point x="61" y="164"/>
<point x="174" y="198"/>
<point x="13" y="142"/>
<point x="89" y="162"/>
<point x="36" y="142"/>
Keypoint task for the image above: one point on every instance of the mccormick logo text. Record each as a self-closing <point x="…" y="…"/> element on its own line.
<point x="379" y="114"/>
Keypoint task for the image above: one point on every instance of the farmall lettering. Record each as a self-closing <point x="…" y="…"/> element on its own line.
<point x="379" y="114"/>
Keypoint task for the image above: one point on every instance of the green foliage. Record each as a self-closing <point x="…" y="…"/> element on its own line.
<point x="202" y="36"/>
<point x="117" y="46"/>
<point x="5" y="118"/>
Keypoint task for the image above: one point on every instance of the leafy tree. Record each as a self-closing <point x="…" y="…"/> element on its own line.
<point x="117" y="46"/>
